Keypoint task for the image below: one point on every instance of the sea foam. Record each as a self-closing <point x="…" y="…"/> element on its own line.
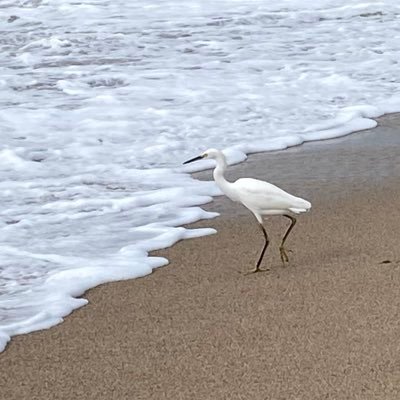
<point x="100" y="107"/>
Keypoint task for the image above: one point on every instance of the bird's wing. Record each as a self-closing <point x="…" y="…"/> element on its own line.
<point x="262" y="195"/>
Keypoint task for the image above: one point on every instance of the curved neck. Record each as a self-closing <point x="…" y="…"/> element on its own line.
<point x="219" y="178"/>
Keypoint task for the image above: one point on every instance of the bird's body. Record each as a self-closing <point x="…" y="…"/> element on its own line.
<point x="260" y="197"/>
<point x="263" y="198"/>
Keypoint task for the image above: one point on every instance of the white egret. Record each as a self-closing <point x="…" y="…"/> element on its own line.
<point x="261" y="198"/>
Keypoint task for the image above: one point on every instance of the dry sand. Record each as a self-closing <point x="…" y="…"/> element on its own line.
<point x="325" y="327"/>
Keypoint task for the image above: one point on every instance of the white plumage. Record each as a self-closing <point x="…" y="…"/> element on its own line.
<point x="261" y="198"/>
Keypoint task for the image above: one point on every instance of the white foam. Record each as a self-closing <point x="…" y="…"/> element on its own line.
<point x="99" y="108"/>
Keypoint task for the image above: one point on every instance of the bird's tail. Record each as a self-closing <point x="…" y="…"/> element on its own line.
<point x="301" y="206"/>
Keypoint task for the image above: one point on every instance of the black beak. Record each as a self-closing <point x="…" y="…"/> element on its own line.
<point x="193" y="159"/>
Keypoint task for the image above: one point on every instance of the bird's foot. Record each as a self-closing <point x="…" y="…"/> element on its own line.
<point x="284" y="256"/>
<point x="256" y="269"/>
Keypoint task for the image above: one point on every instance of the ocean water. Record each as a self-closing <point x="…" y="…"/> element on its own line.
<point x="102" y="100"/>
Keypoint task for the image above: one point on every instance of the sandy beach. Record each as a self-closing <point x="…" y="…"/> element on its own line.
<point x="324" y="327"/>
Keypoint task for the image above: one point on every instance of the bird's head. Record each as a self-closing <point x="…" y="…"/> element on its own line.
<point x="210" y="153"/>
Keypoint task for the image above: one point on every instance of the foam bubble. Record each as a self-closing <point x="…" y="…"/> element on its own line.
<point x="99" y="109"/>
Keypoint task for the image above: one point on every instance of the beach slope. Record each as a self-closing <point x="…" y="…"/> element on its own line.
<point x="324" y="327"/>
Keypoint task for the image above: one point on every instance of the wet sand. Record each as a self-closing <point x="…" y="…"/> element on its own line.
<point x="325" y="327"/>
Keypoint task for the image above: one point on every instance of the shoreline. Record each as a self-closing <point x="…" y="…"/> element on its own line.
<point x="199" y="329"/>
<point x="346" y="149"/>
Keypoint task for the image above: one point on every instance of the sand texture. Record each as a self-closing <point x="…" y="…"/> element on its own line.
<point x="325" y="327"/>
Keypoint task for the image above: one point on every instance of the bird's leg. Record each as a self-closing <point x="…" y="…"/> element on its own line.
<point x="257" y="267"/>
<point x="284" y="256"/>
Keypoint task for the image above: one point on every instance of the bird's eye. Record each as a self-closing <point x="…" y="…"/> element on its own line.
<point x="205" y="155"/>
